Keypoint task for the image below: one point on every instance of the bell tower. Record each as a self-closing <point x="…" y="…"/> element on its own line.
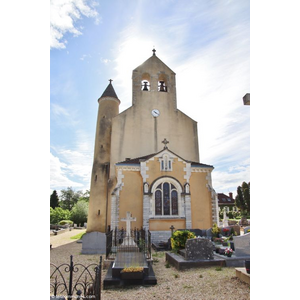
<point x="153" y="81"/>
<point x="98" y="204"/>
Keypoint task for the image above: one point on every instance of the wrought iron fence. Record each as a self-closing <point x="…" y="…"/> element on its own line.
<point x="118" y="240"/>
<point x="70" y="279"/>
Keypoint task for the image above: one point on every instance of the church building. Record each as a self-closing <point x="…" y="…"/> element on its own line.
<point x="146" y="160"/>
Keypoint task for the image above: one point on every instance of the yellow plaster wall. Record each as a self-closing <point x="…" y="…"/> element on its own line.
<point x="154" y="170"/>
<point x="131" y="198"/>
<point x="200" y="201"/>
<point x="165" y="224"/>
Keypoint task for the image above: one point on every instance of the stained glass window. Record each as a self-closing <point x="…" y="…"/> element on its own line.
<point x="166" y="199"/>
<point x="158" y="206"/>
<point x="174" y="203"/>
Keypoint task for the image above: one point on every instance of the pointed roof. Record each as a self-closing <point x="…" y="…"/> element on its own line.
<point x="109" y="92"/>
<point x="152" y="60"/>
<point x="137" y="160"/>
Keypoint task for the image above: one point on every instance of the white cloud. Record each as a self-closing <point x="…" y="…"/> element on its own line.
<point x="228" y="181"/>
<point x="63" y="16"/>
<point x="72" y="167"/>
<point x="212" y="76"/>
<point x="59" y="174"/>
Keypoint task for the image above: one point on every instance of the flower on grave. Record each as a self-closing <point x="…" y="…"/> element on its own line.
<point x="218" y="240"/>
<point x="225" y="230"/>
<point x="228" y="251"/>
<point x="132" y="269"/>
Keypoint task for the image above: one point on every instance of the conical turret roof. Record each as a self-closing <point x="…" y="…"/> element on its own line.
<point x="109" y="91"/>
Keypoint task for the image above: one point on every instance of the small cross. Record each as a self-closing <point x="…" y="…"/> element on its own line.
<point x="165" y="142"/>
<point x="110" y="80"/>
<point x="128" y="219"/>
<point x="154" y="51"/>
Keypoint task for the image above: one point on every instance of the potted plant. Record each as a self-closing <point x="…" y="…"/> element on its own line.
<point x="228" y="252"/>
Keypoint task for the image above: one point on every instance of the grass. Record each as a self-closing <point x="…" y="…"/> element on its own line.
<point x="158" y="254"/>
<point x="167" y="265"/>
<point x="77" y="236"/>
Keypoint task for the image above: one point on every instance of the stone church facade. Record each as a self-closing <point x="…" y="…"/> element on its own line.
<point x="146" y="160"/>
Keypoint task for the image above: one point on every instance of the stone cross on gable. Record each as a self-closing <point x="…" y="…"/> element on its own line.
<point x="165" y="141"/>
<point x="128" y="219"/>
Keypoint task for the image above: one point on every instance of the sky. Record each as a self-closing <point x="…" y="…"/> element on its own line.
<point x="206" y="43"/>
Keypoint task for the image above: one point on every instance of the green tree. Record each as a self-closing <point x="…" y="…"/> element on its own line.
<point x="59" y="214"/>
<point x="242" y="199"/>
<point x="54" y="199"/>
<point x="69" y="198"/>
<point x="79" y="212"/>
<point x="85" y="196"/>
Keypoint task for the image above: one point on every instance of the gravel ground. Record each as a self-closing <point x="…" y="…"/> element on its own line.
<point x="194" y="284"/>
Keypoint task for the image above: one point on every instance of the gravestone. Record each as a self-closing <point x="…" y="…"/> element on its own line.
<point x="242" y="245"/>
<point x="94" y="243"/>
<point x="199" y="248"/>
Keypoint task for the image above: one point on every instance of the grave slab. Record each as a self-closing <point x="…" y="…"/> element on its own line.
<point x="129" y="259"/>
<point x="112" y="282"/>
<point x="180" y="263"/>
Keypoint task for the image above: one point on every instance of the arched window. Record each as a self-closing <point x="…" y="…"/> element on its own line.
<point x="165" y="163"/>
<point x="166" y="200"/>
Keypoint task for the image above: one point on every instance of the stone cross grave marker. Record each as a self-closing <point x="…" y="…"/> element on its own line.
<point x="128" y="219"/>
<point x="225" y="218"/>
<point x="128" y="240"/>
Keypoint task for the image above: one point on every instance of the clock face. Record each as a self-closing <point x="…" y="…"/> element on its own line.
<point x="155" y="113"/>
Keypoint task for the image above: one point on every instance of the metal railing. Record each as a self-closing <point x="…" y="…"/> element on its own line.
<point x="70" y="279"/>
<point x="138" y="240"/>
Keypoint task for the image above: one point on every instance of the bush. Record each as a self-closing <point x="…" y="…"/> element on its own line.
<point x="64" y="222"/>
<point x="215" y="230"/>
<point x="58" y="214"/>
<point x="179" y="239"/>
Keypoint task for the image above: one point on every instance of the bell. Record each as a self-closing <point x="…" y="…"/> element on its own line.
<point x="161" y="87"/>
<point x="145" y="86"/>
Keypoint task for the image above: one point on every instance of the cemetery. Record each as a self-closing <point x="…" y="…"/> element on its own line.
<point x="130" y="258"/>
<point x="131" y="267"/>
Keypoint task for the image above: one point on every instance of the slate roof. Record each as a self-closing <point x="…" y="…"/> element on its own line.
<point x="224" y="199"/>
<point x="109" y="92"/>
<point x="136" y="161"/>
